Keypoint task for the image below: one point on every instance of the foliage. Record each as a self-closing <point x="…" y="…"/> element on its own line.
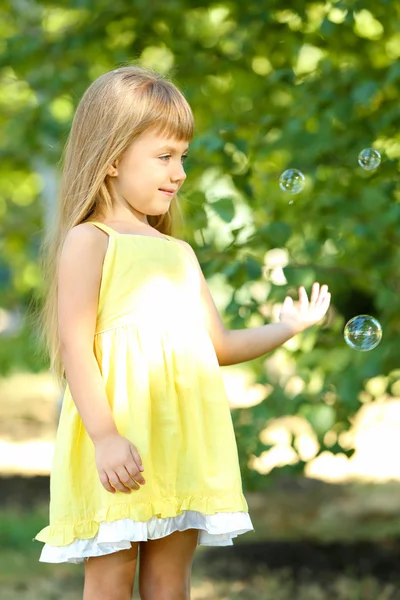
<point x="307" y="87"/>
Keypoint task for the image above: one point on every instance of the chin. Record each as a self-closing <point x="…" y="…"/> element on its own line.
<point x="160" y="210"/>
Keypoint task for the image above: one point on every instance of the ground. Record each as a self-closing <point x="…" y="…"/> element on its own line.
<point x="312" y="540"/>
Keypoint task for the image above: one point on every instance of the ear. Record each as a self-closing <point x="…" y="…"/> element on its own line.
<point x="112" y="169"/>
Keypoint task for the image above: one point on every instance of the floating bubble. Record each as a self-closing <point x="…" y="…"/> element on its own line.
<point x="369" y="159"/>
<point x="363" y="333"/>
<point x="292" y="181"/>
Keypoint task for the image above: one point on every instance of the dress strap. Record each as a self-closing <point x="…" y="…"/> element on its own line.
<point x="103" y="227"/>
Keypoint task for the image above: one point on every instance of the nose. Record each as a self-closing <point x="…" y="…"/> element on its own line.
<point x="178" y="174"/>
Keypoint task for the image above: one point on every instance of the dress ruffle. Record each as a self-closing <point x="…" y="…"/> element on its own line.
<point x="214" y="530"/>
<point x="63" y="533"/>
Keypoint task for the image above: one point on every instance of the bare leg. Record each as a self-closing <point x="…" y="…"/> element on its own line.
<point x="111" y="577"/>
<point x="165" y="566"/>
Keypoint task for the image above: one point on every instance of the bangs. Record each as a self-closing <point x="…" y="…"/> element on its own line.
<point x="167" y="111"/>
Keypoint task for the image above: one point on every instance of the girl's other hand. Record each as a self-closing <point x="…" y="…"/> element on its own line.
<point x="118" y="463"/>
<point x="305" y="313"/>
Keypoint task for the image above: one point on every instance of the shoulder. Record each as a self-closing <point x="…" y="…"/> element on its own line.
<point x="192" y="254"/>
<point x="85" y="240"/>
<point x="185" y="245"/>
<point x="188" y="249"/>
<point x="86" y="235"/>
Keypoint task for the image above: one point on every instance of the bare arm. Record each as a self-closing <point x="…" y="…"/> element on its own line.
<point x="240" y="345"/>
<point x="117" y="459"/>
<point x="78" y="290"/>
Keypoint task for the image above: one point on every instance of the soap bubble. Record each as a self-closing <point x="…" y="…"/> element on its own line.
<point x="292" y="181"/>
<point x="369" y="159"/>
<point x="363" y="333"/>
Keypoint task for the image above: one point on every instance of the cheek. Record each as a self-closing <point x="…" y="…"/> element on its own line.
<point x="141" y="173"/>
<point x="129" y="178"/>
<point x="138" y="176"/>
<point x="138" y="185"/>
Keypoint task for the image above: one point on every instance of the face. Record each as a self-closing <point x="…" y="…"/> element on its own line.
<point x="149" y="174"/>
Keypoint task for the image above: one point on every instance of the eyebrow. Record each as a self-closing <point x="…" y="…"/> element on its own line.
<point x="172" y="150"/>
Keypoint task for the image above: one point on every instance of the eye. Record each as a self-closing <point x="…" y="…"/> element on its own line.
<point x="165" y="157"/>
<point x="184" y="157"/>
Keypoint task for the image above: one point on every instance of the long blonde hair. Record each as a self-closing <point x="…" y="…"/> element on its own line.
<point x="115" y="109"/>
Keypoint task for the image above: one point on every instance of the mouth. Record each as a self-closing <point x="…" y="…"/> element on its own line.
<point x="168" y="192"/>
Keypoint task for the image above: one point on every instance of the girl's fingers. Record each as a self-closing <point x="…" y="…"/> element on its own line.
<point x="322" y="299"/>
<point x="117" y="483"/>
<point x="126" y="480"/>
<point x="322" y="306"/>
<point x="287" y="304"/>
<point x="308" y="311"/>
<point x="134" y="472"/>
<point x="323" y="293"/>
<point x="129" y="479"/>
<point x="326" y="302"/>
<point x="136" y="468"/>
<point x="105" y="482"/>
<point x="137" y="479"/>
<point x="136" y="457"/>
<point x="303" y="298"/>
<point x="315" y="293"/>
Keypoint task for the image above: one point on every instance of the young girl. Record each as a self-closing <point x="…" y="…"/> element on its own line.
<point x="145" y="454"/>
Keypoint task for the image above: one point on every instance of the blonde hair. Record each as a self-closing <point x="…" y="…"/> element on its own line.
<point x="115" y="109"/>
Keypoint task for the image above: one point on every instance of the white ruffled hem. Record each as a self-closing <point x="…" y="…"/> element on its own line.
<point x="214" y="530"/>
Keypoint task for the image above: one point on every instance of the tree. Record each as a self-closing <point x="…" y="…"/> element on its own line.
<point x="272" y="88"/>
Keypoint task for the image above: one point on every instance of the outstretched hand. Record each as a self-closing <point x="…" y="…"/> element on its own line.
<point x="305" y="313"/>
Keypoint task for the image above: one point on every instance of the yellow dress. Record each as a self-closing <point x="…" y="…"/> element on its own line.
<point x="164" y="386"/>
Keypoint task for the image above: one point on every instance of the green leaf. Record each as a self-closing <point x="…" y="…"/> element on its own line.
<point x="276" y="234"/>
<point x="253" y="268"/>
<point x="224" y="208"/>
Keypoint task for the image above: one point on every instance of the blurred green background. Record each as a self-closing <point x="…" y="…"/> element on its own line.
<point x="306" y="86"/>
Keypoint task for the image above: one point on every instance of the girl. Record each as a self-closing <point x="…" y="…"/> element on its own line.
<point x="145" y="454"/>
